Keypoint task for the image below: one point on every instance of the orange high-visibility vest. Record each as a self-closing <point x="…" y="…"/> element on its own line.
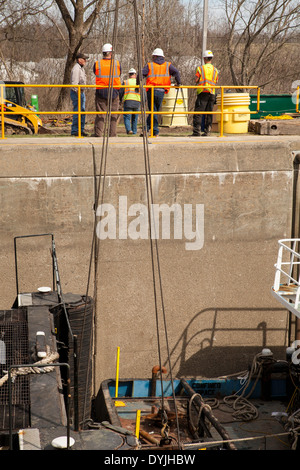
<point x="208" y="76"/>
<point x="130" y="92"/>
<point x="159" y="75"/>
<point x="102" y="72"/>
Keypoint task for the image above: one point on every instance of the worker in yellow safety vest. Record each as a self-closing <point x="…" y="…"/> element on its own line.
<point x="132" y="102"/>
<point x="206" y="77"/>
<point x="107" y="75"/>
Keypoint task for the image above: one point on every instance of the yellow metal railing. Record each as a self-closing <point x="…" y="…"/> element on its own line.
<point x="151" y="111"/>
<point x="221" y="112"/>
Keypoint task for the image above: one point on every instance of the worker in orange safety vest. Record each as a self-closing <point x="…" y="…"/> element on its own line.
<point x="206" y="77"/>
<point x="103" y="69"/>
<point x="158" y="73"/>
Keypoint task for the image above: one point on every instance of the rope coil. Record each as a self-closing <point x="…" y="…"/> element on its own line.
<point x="34" y="369"/>
<point x="201" y="408"/>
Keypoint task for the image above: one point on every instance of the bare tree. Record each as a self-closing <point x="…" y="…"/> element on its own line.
<point x="79" y="17"/>
<point x="257" y="31"/>
<point x="15" y="17"/>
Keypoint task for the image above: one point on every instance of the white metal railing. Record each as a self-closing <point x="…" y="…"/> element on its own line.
<point x="287" y="275"/>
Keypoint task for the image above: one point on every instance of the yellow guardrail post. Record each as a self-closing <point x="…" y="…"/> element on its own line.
<point x="79" y="110"/>
<point x="2" y="110"/>
<point x="258" y="100"/>
<point x="297" y="99"/>
<point x="152" y="111"/>
<point x="222" y="113"/>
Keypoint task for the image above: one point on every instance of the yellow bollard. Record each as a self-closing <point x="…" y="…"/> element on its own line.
<point x="137" y="423"/>
<point x="117" y="372"/>
<point x="118" y="403"/>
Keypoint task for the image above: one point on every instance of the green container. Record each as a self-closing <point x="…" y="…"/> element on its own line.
<point x="274" y="105"/>
<point x="35" y="102"/>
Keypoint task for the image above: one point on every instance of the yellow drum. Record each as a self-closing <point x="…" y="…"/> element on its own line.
<point x="236" y="115"/>
<point x="177" y="97"/>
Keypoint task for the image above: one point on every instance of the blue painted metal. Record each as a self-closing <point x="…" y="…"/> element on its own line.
<point x="207" y="388"/>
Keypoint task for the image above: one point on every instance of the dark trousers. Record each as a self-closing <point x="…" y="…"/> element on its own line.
<point x="158" y="99"/>
<point x="204" y="102"/>
<point x="131" y="120"/>
<point x="74" y="98"/>
<point x="102" y="105"/>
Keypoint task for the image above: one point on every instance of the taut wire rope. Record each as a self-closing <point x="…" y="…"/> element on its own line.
<point x="155" y="244"/>
<point x="100" y="189"/>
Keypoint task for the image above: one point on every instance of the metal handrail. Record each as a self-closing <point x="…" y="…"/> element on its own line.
<point x="293" y="264"/>
<point x="151" y="112"/>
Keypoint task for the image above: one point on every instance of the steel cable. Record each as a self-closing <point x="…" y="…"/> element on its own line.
<point x="150" y="205"/>
<point x="100" y="189"/>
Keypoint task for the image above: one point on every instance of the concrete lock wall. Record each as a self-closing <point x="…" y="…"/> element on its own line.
<point x="218" y="308"/>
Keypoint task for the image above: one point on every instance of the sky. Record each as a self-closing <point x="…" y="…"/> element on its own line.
<point x="214" y="5"/>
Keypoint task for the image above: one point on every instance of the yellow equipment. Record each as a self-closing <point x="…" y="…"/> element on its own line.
<point x="18" y="121"/>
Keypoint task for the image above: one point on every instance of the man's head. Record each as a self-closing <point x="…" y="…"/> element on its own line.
<point x="158" y="52"/>
<point x="132" y="73"/>
<point x="208" y="55"/>
<point x="107" y="50"/>
<point x="81" y="58"/>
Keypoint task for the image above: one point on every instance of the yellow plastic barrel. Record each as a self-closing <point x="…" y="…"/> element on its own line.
<point x="236" y="110"/>
<point x="176" y="100"/>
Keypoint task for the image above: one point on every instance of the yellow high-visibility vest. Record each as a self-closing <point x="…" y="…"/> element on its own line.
<point x="208" y="76"/>
<point x="130" y="92"/>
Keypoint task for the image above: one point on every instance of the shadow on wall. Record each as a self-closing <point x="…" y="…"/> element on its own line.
<point x="230" y="345"/>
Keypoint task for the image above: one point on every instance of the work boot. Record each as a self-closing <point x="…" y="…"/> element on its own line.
<point x="206" y="131"/>
<point x="196" y="132"/>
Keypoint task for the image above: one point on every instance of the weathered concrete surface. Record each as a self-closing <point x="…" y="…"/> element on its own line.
<point x="218" y="307"/>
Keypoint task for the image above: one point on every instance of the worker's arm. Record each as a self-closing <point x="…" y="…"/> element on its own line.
<point x="175" y="73"/>
<point x="121" y="92"/>
<point x="145" y="73"/>
<point x="75" y="74"/>
<point x="198" y="76"/>
<point x="75" y="77"/>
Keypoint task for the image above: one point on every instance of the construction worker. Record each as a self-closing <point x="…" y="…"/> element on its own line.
<point x="132" y="102"/>
<point x="78" y="77"/>
<point x="206" y="77"/>
<point x="102" y="70"/>
<point x="158" y="73"/>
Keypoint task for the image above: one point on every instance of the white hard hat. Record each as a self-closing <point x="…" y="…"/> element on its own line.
<point x="132" y="70"/>
<point x="107" y="48"/>
<point x="159" y="52"/>
<point x="208" y="54"/>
